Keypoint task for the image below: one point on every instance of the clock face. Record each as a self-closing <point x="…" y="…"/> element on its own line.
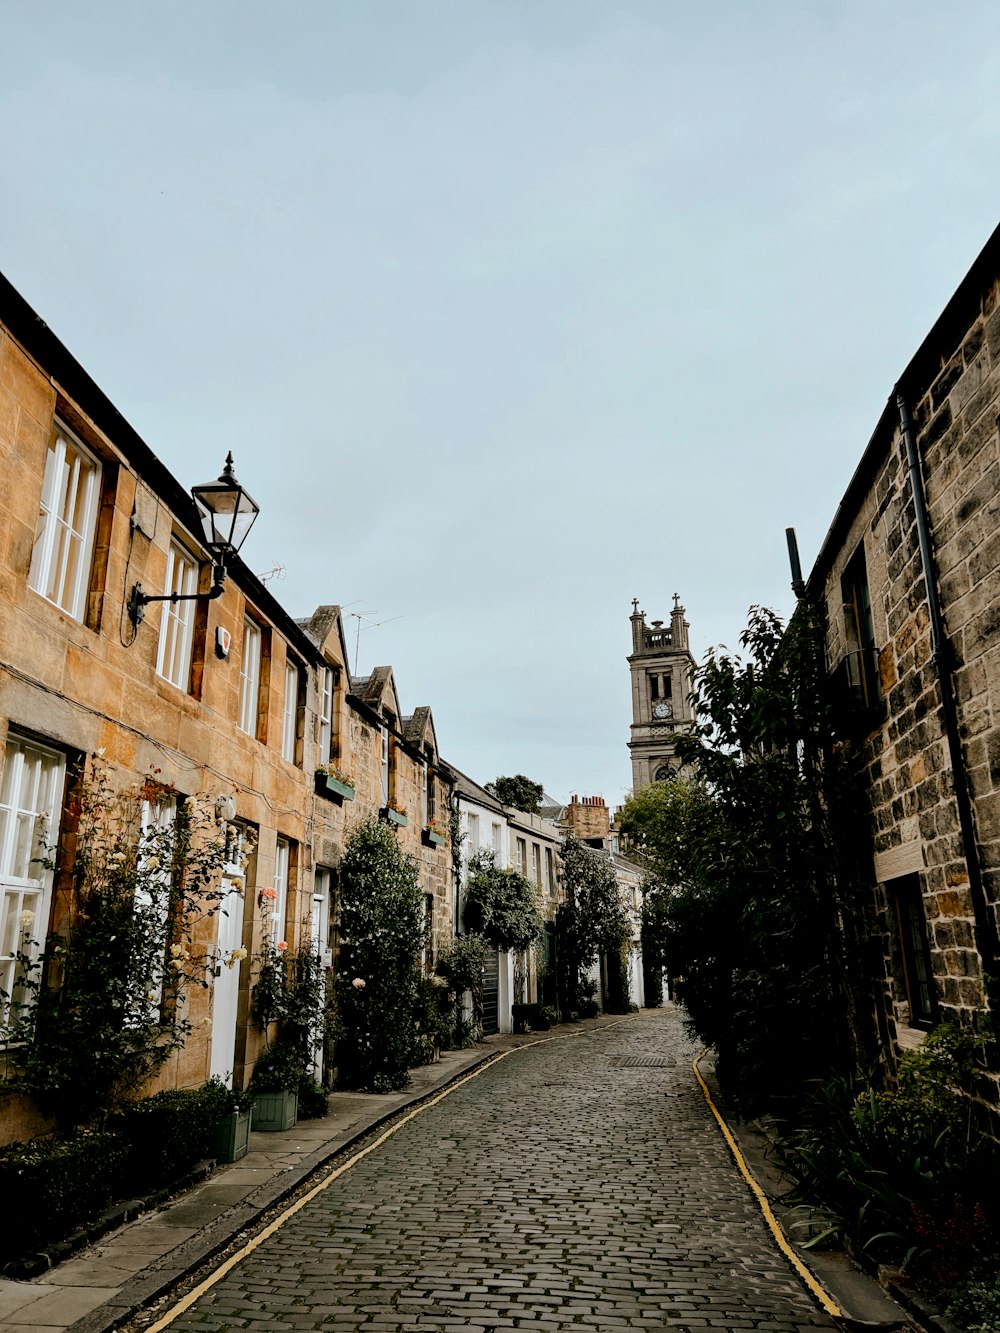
<point x="663" y="710"/>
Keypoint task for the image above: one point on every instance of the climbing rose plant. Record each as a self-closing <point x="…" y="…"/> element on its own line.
<point x="104" y="1005"/>
<point x="381" y="915"/>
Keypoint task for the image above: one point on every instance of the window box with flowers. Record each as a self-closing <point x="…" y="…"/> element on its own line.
<point x="393" y="814"/>
<point x="335" y="784"/>
<point x="434" y="835"/>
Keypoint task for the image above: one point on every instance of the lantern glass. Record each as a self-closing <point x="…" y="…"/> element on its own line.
<point x="227" y="511"/>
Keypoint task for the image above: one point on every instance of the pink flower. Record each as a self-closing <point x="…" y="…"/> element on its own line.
<point x="268" y="895"/>
<point x="281" y="946"/>
<point x="358" y="983"/>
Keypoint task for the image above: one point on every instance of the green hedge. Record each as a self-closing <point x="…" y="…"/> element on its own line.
<point x="52" y="1186"/>
<point x="168" y="1133"/>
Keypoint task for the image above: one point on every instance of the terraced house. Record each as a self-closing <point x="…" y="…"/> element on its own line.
<point x="908" y="576"/>
<point x="120" y="634"/>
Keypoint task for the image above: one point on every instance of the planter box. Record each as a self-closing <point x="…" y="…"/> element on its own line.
<point x="334" y="788"/>
<point x="393" y="816"/>
<point x="232" y="1137"/>
<point x="432" y="838"/>
<point x="275" y="1111"/>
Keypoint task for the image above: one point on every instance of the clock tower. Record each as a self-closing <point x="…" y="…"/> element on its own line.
<point x="662" y="668"/>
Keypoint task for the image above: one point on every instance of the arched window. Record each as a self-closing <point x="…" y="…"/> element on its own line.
<point x="664" y="773"/>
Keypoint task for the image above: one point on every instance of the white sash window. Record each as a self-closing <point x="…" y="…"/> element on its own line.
<point x="67" y="519"/>
<point x="31" y="790"/>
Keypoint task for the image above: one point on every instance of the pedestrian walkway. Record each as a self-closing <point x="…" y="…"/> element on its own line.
<point x="578" y="1184"/>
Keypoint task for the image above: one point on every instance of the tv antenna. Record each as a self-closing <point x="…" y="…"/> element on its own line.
<point x="276" y="571"/>
<point x="360" y="616"/>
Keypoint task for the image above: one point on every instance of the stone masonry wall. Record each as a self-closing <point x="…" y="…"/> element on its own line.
<point x="916" y="826"/>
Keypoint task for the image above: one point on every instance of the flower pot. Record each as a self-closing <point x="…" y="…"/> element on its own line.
<point x="432" y="838"/>
<point x="393" y="816"/>
<point x="275" y="1111"/>
<point x="333" y="787"/>
<point x="232" y="1136"/>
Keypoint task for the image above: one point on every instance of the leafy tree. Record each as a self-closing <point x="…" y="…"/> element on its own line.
<point x="592" y="921"/>
<point x="500" y="905"/>
<point x="381" y="913"/>
<point x="519" y="792"/>
<point x="744" y="864"/>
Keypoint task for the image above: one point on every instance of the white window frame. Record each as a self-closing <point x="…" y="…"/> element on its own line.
<point x="325" y="714"/>
<point x="31" y="791"/>
<point x="472" y="825"/>
<point x="497" y="840"/>
<point x="290" y="711"/>
<point x="173" y="656"/>
<point x="250" y="663"/>
<point x="385" y="764"/>
<point x="63" y="551"/>
<point x="536" y="864"/>
<point x="282" y="870"/>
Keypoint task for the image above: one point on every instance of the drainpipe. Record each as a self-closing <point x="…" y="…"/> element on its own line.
<point x="942" y="659"/>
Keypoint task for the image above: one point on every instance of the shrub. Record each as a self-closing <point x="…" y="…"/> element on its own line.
<point x="500" y="905"/>
<point x="277" y="1068"/>
<point x="314" y="1100"/>
<point x="51" y="1186"/>
<point x="381" y="913"/>
<point x="171" y="1131"/>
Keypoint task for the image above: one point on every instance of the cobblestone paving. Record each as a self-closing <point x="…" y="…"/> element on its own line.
<point x="578" y="1185"/>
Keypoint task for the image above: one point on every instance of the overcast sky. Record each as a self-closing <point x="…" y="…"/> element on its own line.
<point x="510" y="310"/>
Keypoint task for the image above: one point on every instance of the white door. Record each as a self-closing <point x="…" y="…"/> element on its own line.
<point x="320" y="928"/>
<point x="226" y="986"/>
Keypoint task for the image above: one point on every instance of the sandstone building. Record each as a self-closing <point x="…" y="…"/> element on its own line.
<point x="909" y="576"/>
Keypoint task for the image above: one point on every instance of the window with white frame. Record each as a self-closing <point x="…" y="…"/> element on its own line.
<point x="385" y="764"/>
<point x="31" y="790"/>
<point x="325" y="715"/>
<point x="472" y="827"/>
<point x="536" y="864"/>
<point x="67" y="520"/>
<point x="290" y="712"/>
<point x="497" y="840"/>
<point x="250" y="677"/>
<point x="279" y="907"/>
<point x="173" y="660"/>
<point x="521" y="848"/>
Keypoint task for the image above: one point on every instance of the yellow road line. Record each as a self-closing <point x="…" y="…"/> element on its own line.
<point x="229" y="1264"/>
<point x="819" y="1291"/>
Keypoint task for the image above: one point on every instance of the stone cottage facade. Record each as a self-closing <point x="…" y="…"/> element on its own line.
<point x="908" y="577"/>
<point x="225" y="698"/>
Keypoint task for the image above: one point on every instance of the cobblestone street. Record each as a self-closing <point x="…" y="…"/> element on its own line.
<point x="576" y="1185"/>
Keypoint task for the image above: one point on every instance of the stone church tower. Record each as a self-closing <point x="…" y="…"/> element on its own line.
<point x="662" y="667"/>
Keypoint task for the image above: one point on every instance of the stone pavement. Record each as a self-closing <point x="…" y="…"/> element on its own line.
<point x="577" y="1184"/>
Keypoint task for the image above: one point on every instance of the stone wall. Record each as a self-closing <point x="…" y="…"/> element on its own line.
<point x="912" y="784"/>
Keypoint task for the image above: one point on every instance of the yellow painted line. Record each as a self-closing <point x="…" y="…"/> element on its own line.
<point x="229" y="1264"/>
<point x="819" y="1291"/>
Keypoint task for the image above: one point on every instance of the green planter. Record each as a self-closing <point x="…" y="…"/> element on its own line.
<point x="232" y="1137"/>
<point x="393" y="816"/>
<point x="333" y="787"/>
<point x="275" y="1111"/>
<point x="433" y="839"/>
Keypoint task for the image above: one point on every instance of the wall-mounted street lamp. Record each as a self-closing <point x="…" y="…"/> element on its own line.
<point x="227" y="513"/>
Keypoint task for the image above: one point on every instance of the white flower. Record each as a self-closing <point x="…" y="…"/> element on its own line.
<point x="152" y="862"/>
<point x="358" y="983"/>
<point x="27" y="918"/>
